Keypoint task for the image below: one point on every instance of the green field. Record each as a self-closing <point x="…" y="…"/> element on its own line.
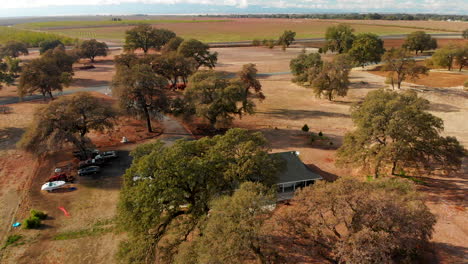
<point x="32" y="38"/>
<point x="236" y="30"/>
<point x="107" y="23"/>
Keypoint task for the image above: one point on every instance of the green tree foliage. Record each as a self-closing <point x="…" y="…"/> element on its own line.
<point x="5" y="76"/>
<point x="172" y="45"/>
<point x="200" y="51"/>
<point x="46" y="74"/>
<point x="252" y="87"/>
<point x="13" y="49"/>
<point x="67" y="120"/>
<point x="234" y="231"/>
<point x="305" y="66"/>
<point x="217" y="98"/>
<point x="366" y="48"/>
<point x="393" y="130"/>
<point x="348" y="221"/>
<point x="444" y="57"/>
<point x="286" y="38"/>
<point x="90" y="49"/>
<point x="49" y="45"/>
<point x="339" y="38"/>
<point x="140" y="91"/>
<point x="465" y="33"/>
<point x="333" y="78"/>
<point x="13" y="66"/>
<point x="419" y="41"/>
<point x="174" y="66"/>
<point x="146" y="37"/>
<point x="401" y="66"/>
<point x="167" y="190"/>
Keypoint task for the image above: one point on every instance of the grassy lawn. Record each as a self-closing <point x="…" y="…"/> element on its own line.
<point x="235" y="30"/>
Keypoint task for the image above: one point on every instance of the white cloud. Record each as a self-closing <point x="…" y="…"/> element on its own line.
<point x="459" y="6"/>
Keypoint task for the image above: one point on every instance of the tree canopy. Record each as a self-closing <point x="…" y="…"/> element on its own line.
<point x="67" y="120"/>
<point x="146" y="37"/>
<point x="366" y="48"/>
<point x="395" y="131"/>
<point x="49" y="45"/>
<point x="339" y="38"/>
<point x="174" y="66"/>
<point x="286" y="38"/>
<point x="217" y="99"/>
<point x="401" y="66"/>
<point x="198" y="50"/>
<point x="172" y="45"/>
<point x="168" y="190"/>
<point x="140" y="91"/>
<point x="13" y="49"/>
<point x="6" y="77"/>
<point x="90" y="49"/>
<point x="333" y="78"/>
<point x="234" y="231"/>
<point x="51" y="72"/>
<point x="305" y="67"/>
<point x="419" y="41"/>
<point x="348" y="221"/>
<point x="465" y="34"/>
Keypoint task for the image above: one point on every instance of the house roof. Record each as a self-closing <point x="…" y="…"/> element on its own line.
<point x="295" y="171"/>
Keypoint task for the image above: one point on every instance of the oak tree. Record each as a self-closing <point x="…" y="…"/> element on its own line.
<point x="13" y="49"/>
<point x="286" y="38"/>
<point x="348" y="221"/>
<point x="401" y="66"/>
<point x="146" y="37"/>
<point x="167" y="191"/>
<point x="67" y="120"/>
<point x="333" y="78"/>
<point x="395" y="132"/>
<point x="199" y="51"/>
<point x="234" y="231"/>
<point x="49" y="45"/>
<point x="90" y="49"/>
<point x="419" y="41"/>
<point x="305" y="67"/>
<point x="366" y="48"/>
<point x="339" y="38"/>
<point x="141" y="91"/>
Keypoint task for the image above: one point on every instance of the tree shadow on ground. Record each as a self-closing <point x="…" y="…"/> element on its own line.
<point x="446" y="108"/>
<point x="447" y="253"/>
<point x="9" y="136"/>
<point x="89" y="82"/>
<point x="289" y="114"/>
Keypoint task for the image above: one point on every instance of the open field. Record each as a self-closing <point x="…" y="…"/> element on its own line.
<point x="240" y="29"/>
<point x="32" y="38"/>
<point x="100" y="23"/>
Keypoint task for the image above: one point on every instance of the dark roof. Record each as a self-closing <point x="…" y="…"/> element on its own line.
<point x="296" y="171"/>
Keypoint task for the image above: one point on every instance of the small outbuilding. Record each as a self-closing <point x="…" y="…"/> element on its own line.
<point x="296" y="174"/>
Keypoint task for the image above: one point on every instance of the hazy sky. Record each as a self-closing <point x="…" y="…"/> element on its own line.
<point x="70" y="7"/>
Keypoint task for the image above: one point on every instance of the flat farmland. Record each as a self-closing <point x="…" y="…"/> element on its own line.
<point x="225" y="30"/>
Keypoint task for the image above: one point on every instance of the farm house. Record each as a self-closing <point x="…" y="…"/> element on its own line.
<point x="295" y="175"/>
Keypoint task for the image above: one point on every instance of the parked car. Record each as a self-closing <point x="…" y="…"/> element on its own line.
<point x="61" y="177"/>
<point x="91" y="162"/>
<point x="89" y="170"/>
<point x="106" y="155"/>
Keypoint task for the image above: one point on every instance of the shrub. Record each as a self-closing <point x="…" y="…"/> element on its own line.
<point x="320" y="134"/>
<point x="256" y="42"/>
<point x="320" y="50"/>
<point x="31" y="222"/>
<point x="39" y="214"/>
<point x="305" y="128"/>
<point x="429" y="63"/>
